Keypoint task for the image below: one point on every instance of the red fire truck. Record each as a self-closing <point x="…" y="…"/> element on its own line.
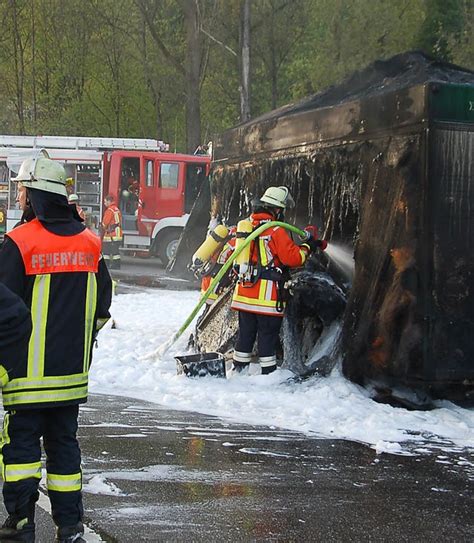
<point x="154" y="189"/>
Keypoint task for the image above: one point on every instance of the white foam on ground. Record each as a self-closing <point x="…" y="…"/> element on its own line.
<point x="331" y="407"/>
<point x="98" y="484"/>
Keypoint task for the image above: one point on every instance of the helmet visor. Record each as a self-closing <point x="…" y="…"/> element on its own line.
<point x="290" y="203"/>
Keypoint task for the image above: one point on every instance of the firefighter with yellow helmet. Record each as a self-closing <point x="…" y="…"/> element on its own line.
<point x="263" y="269"/>
<point x="54" y="264"/>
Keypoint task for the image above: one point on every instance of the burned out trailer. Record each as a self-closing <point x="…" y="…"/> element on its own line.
<point x="383" y="163"/>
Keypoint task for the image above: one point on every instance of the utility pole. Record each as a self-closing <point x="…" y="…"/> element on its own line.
<point x="244" y="35"/>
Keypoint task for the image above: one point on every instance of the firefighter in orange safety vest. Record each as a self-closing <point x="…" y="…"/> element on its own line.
<point x="111" y="233"/>
<point x="259" y="293"/>
<point x="52" y="262"/>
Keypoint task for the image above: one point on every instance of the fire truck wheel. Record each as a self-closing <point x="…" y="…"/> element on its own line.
<point x="167" y="244"/>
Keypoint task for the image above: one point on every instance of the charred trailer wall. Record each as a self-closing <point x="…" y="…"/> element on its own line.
<point x="390" y="172"/>
<point x="450" y="336"/>
<point x="411" y="311"/>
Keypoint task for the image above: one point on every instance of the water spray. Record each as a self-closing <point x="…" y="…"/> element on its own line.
<point x="343" y="258"/>
<point x="161" y="351"/>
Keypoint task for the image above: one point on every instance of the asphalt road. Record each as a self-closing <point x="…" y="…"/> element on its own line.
<point x="152" y="474"/>
<point x="177" y="476"/>
<point x="150" y="272"/>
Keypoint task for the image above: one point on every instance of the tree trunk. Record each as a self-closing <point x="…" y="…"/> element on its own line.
<point x="273" y="62"/>
<point x="154" y="89"/>
<point x="245" y="61"/>
<point x="193" y="66"/>
<point x="18" y="58"/>
<point x="33" y="65"/>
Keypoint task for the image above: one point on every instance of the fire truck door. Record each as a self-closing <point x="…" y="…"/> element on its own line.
<point x="147" y="211"/>
<point x="170" y="189"/>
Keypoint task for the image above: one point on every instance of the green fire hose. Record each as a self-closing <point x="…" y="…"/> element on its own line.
<point x="227" y="265"/>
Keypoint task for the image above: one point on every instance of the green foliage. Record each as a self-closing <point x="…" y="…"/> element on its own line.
<point x="444" y="21"/>
<point x="117" y="67"/>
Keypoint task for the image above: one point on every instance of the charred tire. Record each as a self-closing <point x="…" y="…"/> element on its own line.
<point x="167" y="243"/>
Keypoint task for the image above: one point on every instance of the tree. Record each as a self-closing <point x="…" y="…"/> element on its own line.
<point x="444" y="20"/>
<point x="244" y="60"/>
<point x="15" y="55"/>
<point x="183" y="70"/>
<point x="181" y="48"/>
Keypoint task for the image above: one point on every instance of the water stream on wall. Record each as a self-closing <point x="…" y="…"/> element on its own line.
<point x="343" y="258"/>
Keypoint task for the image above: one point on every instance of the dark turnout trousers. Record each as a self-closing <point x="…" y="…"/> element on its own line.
<point x="111" y="253"/>
<point x="21" y="466"/>
<point x="264" y="328"/>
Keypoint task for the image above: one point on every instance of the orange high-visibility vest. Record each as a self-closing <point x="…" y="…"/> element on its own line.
<point x="275" y="248"/>
<point x="112" y="224"/>
<point x="44" y="252"/>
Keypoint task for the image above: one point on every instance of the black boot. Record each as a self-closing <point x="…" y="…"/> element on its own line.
<point x="239" y="367"/>
<point x="17" y="529"/>
<point x="268" y="369"/>
<point x="71" y="534"/>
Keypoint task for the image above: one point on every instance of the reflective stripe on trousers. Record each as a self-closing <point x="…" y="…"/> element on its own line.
<point x="21" y="440"/>
<point x="64" y="483"/>
<point x="243" y="358"/>
<point x="267" y="361"/>
<point x="17" y="472"/>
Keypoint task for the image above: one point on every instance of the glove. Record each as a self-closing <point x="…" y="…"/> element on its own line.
<point x="315" y="244"/>
<point x="311" y="231"/>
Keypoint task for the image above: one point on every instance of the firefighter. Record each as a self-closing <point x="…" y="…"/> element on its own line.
<point x="74" y="199"/>
<point x="53" y="263"/>
<point x="259" y="293"/>
<point x="24" y="204"/>
<point x="112" y="233"/>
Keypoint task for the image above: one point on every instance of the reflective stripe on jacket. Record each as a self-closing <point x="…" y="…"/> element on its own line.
<point x="112" y="224"/>
<point x="62" y="297"/>
<point x="275" y="249"/>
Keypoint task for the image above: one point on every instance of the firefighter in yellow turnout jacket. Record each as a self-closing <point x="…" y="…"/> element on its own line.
<point x="53" y="263"/>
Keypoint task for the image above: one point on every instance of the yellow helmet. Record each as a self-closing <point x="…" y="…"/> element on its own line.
<point x="278" y="197"/>
<point x="41" y="173"/>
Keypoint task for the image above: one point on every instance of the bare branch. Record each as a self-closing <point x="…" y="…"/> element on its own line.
<point x="218" y="42"/>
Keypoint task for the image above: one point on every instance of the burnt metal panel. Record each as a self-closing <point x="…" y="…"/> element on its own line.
<point x="450" y="336"/>
<point x="347" y="122"/>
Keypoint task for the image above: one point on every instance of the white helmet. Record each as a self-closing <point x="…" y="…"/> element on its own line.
<point x="73" y="198"/>
<point x="42" y="173"/>
<point x="278" y="197"/>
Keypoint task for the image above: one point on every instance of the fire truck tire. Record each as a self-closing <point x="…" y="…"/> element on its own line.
<point x="167" y="243"/>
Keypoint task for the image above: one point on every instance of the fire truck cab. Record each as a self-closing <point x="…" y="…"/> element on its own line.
<point x="154" y="189"/>
<point x="155" y="192"/>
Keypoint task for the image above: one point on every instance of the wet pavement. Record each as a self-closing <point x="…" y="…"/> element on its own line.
<point x="150" y="272"/>
<point x="153" y="474"/>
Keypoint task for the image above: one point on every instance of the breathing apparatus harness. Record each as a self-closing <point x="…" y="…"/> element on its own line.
<point x="248" y="274"/>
